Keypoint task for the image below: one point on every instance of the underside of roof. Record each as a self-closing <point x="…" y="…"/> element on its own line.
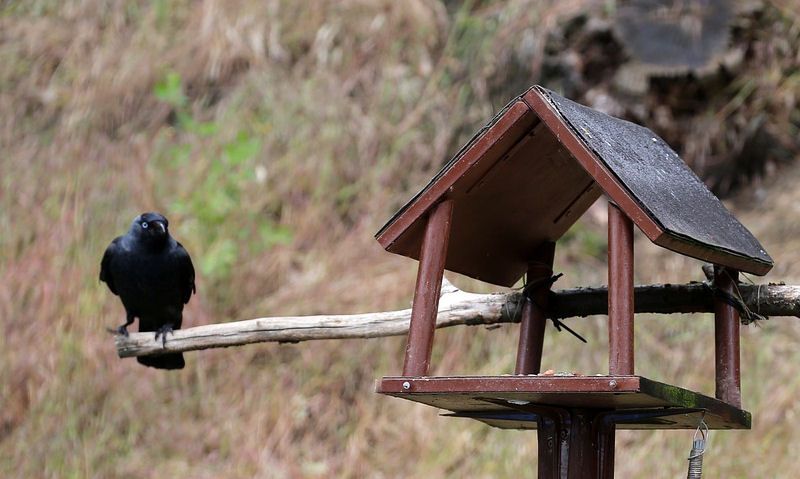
<point x="538" y="165"/>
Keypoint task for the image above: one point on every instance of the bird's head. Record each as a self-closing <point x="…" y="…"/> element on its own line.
<point x="152" y="228"/>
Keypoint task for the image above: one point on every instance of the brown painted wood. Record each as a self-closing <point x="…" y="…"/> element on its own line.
<point x="486" y="147"/>
<point x="605" y="434"/>
<point x="532" y="383"/>
<point x="493" y="399"/>
<point x="573" y="442"/>
<point x="620" y="292"/>
<point x="403" y="234"/>
<point x="502" y="214"/>
<point x="583" y="459"/>
<point x="726" y="340"/>
<point x="534" y="321"/>
<point x="426" y="295"/>
<point x="551" y="444"/>
<point x="527" y="176"/>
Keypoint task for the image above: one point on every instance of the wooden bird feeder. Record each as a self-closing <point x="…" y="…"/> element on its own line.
<point x="495" y="212"/>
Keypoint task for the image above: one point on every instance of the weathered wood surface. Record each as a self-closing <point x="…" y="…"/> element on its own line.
<point x="456" y="307"/>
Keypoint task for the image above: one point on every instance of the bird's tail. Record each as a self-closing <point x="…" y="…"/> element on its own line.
<point x="163" y="326"/>
<point x="163" y="361"/>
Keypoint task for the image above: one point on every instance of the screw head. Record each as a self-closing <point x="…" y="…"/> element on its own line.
<point x="612" y="384"/>
<point x="406" y="385"/>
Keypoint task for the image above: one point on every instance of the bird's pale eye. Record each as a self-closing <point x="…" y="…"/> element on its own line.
<point x="145" y="225"/>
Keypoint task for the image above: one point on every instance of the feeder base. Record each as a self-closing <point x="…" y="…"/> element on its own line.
<point x="522" y="402"/>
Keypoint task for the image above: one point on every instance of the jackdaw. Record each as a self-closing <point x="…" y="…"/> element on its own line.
<point x="154" y="277"/>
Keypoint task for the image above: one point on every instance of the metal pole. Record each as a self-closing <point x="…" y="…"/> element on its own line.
<point x="533" y="322"/>
<point x="426" y="295"/>
<point x="726" y="339"/>
<point x="620" y="292"/>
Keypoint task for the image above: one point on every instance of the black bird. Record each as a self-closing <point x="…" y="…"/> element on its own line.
<point x="154" y="277"/>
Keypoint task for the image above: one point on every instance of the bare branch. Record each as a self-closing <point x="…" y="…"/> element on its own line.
<point x="456" y="307"/>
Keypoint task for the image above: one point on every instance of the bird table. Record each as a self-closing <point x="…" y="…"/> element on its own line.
<point x="495" y="212"/>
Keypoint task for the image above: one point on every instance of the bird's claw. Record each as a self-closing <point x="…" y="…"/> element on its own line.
<point x="162" y="331"/>
<point x="122" y="330"/>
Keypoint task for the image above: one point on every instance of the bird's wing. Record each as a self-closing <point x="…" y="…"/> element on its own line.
<point x="105" y="265"/>
<point x="187" y="272"/>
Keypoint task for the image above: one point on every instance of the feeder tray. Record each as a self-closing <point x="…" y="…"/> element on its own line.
<point x="515" y="402"/>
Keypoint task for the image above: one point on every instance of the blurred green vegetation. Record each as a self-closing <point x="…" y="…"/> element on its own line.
<point x="277" y="138"/>
<point x="225" y="171"/>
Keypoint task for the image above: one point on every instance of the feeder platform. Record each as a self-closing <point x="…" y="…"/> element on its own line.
<point x="518" y="402"/>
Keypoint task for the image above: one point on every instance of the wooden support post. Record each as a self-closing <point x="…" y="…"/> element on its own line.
<point x="426" y="295"/>
<point x="620" y="292"/>
<point x="584" y="450"/>
<point x="574" y="443"/>
<point x="605" y="431"/>
<point x="533" y="322"/>
<point x="726" y="339"/>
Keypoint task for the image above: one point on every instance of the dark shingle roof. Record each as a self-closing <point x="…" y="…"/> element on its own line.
<point x="536" y="167"/>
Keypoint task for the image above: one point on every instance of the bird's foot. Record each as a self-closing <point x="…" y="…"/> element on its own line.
<point x="162" y="331"/>
<point x="122" y="330"/>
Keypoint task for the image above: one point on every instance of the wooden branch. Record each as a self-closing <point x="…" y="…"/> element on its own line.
<point x="456" y="307"/>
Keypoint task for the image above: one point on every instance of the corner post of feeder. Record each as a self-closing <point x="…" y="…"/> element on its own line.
<point x="433" y="253"/>
<point x="620" y="292"/>
<point x="726" y="339"/>
<point x="534" y="319"/>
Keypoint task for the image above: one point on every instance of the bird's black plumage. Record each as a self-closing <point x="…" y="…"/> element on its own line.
<point x="154" y="277"/>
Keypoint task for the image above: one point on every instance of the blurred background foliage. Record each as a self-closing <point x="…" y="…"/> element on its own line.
<point x="277" y="136"/>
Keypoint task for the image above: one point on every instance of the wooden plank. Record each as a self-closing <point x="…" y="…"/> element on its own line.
<point x="667" y="418"/>
<point x="480" y="153"/>
<point x="505" y="397"/>
<point x="510" y="198"/>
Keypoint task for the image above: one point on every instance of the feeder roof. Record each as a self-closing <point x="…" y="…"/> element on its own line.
<point x="538" y="165"/>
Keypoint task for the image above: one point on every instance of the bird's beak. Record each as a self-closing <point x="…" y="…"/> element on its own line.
<point x="161" y="226"/>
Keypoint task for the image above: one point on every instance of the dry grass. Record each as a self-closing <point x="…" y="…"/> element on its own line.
<point x="291" y="133"/>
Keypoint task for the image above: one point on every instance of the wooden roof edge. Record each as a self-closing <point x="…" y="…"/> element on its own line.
<point x="505" y="119"/>
<point x="719" y="256"/>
